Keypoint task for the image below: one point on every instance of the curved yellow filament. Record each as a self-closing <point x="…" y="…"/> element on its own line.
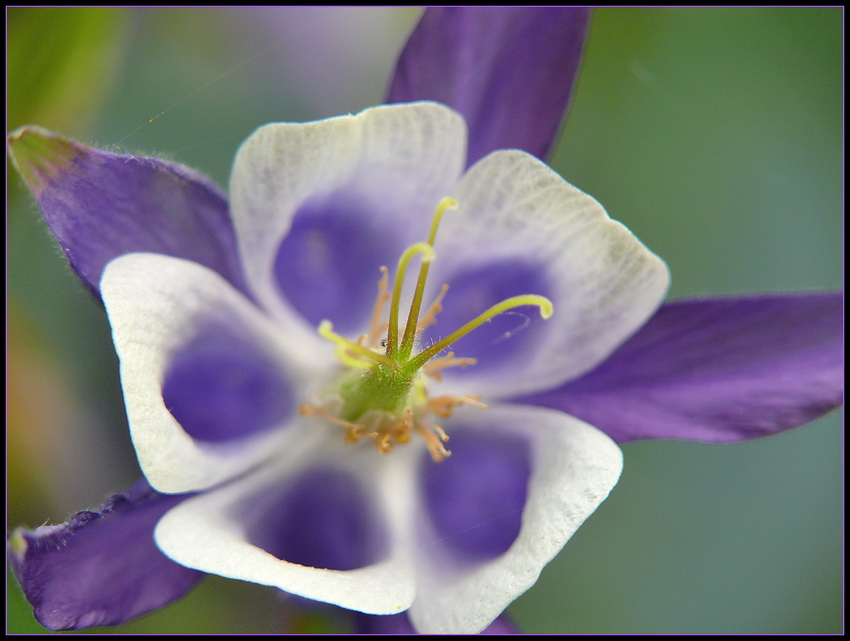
<point x="446" y="203"/>
<point x="542" y="302"/>
<point x="343" y="345"/>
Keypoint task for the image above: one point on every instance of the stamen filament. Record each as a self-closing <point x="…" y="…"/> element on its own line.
<point x="433" y="367"/>
<point x="413" y="317"/>
<point x="343" y="345"/>
<point x="542" y="302"/>
<point x="436" y="307"/>
<point x="443" y="406"/>
<point x="428" y="256"/>
<point x="378" y="310"/>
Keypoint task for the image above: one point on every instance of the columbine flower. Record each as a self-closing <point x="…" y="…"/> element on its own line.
<point x="318" y="461"/>
<point x="321" y="458"/>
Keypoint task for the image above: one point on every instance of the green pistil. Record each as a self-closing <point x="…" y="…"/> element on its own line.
<point x="542" y="302"/>
<point x="413" y="317"/>
<point x="428" y="255"/>
<point x="383" y="389"/>
<point x="388" y="386"/>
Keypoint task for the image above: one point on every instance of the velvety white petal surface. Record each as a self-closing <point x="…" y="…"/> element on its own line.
<point x="573" y="468"/>
<point x="395" y="161"/>
<point x="211" y="532"/>
<point x="520" y="220"/>
<point x="155" y="303"/>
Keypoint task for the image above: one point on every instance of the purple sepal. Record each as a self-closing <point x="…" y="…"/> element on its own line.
<point x="100" y="568"/>
<point x="716" y="370"/>
<point x="508" y="71"/>
<point x="400" y="624"/>
<point x="100" y="205"/>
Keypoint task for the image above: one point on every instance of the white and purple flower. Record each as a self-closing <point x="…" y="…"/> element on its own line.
<point x="235" y="402"/>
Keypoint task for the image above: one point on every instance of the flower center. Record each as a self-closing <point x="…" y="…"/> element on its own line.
<point x="383" y="391"/>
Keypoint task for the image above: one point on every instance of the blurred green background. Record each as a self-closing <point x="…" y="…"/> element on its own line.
<point x="714" y="134"/>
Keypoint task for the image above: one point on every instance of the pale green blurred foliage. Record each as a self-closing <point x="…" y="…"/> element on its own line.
<point x="61" y="62"/>
<point x="714" y="134"/>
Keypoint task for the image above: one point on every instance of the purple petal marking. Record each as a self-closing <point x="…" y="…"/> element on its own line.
<point x="328" y="266"/>
<point x="400" y="624"/>
<point x="716" y="370"/>
<point x="100" y="205"/>
<point x="100" y="568"/>
<point x="508" y="71"/>
<point x="221" y="387"/>
<point x="500" y="341"/>
<point x="475" y="498"/>
<point x="323" y="519"/>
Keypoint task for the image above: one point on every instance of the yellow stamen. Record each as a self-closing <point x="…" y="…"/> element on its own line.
<point x="354" y="431"/>
<point x="444" y="406"/>
<point x="434" y="436"/>
<point x="433" y="367"/>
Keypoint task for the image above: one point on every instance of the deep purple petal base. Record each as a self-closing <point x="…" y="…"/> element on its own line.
<point x="221" y="387"/>
<point x="323" y="519"/>
<point x="475" y="497"/>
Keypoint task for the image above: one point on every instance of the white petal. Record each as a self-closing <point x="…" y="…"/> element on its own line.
<point x="573" y="468"/>
<point x="155" y="303"/>
<point x="211" y="532"/>
<point x="395" y="161"/>
<point x="603" y="282"/>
